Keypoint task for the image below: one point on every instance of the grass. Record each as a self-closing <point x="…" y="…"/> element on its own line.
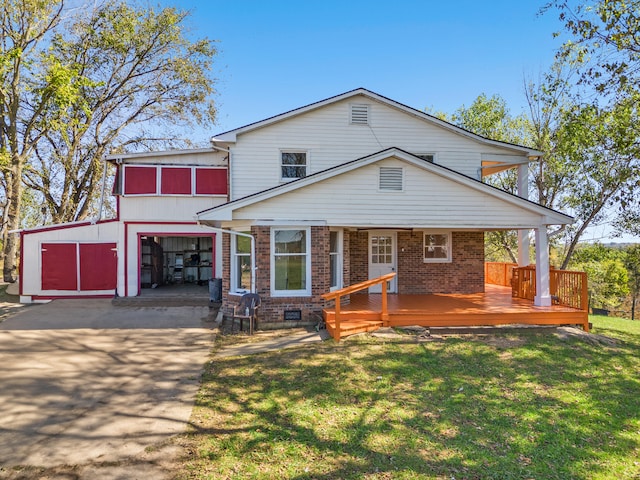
<point x="529" y="406"/>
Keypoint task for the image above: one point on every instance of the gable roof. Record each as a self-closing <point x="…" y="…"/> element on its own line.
<point x="231" y="135"/>
<point x="225" y="212"/>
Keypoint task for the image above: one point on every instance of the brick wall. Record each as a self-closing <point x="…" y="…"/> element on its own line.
<point x="359" y="250"/>
<point x="465" y="274"/>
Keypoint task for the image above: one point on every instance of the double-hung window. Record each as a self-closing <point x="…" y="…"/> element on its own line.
<point x="293" y="164"/>
<point x="335" y="256"/>
<point x="241" y="264"/>
<point x="437" y="247"/>
<point x="291" y="261"/>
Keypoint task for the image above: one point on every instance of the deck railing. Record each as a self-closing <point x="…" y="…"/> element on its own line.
<point x="498" y="273"/>
<point x="567" y="288"/>
<point x="338" y="294"/>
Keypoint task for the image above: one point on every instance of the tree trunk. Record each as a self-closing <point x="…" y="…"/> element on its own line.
<point x="14" y="199"/>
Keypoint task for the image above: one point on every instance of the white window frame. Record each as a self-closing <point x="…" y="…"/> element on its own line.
<point x="449" y="257"/>
<point x="340" y="260"/>
<point x="294" y="150"/>
<point x="425" y="154"/>
<point x="234" y="264"/>
<point x="291" y="293"/>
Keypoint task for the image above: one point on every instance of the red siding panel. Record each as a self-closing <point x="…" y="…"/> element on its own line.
<point x="139" y="180"/>
<point x="59" y="266"/>
<point x="175" y="181"/>
<point x="98" y="266"/>
<point x="211" y="181"/>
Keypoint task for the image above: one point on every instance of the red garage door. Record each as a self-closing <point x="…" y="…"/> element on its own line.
<point x="98" y="266"/>
<point x="96" y="269"/>
<point x="59" y="266"/>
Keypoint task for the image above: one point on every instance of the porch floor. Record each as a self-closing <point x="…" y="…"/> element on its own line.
<point x="495" y="306"/>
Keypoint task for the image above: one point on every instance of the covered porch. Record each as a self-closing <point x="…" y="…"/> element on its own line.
<point x="497" y="305"/>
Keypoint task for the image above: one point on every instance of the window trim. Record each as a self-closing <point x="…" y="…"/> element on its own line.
<point x="449" y="258"/>
<point x="234" y="272"/>
<point x="290" y="293"/>
<point x="433" y="155"/>
<point x="307" y="169"/>
<point x="340" y="262"/>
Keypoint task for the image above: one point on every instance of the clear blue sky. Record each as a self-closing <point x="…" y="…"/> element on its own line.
<point x="275" y="55"/>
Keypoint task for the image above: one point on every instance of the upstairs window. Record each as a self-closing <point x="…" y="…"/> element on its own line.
<point x="428" y="157"/>
<point x="437" y="247"/>
<point x="359" y="114"/>
<point x="293" y="164"/>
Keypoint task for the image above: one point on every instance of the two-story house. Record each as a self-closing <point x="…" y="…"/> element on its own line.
<point x="292" y="207"/>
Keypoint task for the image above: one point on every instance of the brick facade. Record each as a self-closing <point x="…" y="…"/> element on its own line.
<point x="465" y="274"/>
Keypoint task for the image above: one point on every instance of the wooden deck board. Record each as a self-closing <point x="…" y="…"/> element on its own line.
<point x="495" y="306"/>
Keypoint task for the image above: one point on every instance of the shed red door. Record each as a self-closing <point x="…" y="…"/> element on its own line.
<point x="59" y="266"/>
<point x="98" y="266"/>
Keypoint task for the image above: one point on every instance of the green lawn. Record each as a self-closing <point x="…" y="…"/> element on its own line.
<point x="494" y="407"/>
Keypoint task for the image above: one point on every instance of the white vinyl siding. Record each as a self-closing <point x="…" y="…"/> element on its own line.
<point x="256" y="157"/>
<point x="428" y="201"/>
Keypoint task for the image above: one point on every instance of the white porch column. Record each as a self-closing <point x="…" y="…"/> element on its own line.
<point x="543" y="291"/>
<point x="523" y="235"/>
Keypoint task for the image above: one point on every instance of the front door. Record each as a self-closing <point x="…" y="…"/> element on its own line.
<point x="382" y="258"/>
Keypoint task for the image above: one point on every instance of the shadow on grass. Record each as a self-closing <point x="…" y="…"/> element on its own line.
<point x="457" y="409"/>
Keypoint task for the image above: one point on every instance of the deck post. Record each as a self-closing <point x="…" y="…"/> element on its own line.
<point x="543" y="294"/>
<point x="384" y="315"/>
<point x="523" y="235"/>
<point x="337" y="317"/>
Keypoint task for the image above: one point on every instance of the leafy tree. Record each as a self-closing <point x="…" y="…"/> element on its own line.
<point x="31" y="82"/>
<point x="142" y="79"/>
<point x="605" y="45"/>
<point x="78" y="83"/>
<point x="605" y="267"/>
<point x="632" y="262"/>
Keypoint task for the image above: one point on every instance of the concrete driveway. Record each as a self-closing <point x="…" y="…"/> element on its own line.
<point x="88" y="390"/>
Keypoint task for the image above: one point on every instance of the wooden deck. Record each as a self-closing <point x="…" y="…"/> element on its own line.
<point x="495" y="306"/>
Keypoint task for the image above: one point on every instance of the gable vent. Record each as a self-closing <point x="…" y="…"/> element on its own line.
<point x="360" y="114"/>
<point x="391" y="179"/>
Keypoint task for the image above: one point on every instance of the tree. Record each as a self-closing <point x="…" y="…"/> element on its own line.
<point x="605" y="45"/>
<point x="142" y="79"/>
<point x="608" y="280"/>
<point x="31" y="82"/>
<point x="632" y="262"/>
<point x="106" y="77"/>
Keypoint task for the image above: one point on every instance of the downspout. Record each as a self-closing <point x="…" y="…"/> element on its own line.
<point x="104" y="181"/>
<point x="253" y="249"/>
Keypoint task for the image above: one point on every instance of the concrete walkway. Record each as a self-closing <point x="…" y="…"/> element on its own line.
<point x="272" y="344"/>
<point x="89" y="390"/>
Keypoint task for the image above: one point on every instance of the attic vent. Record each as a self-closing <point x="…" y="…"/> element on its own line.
<point x="360" y="114"/>
<point x="391" y="179"/>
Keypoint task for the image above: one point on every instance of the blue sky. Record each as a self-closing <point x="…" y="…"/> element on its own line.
<point x="277" y="55"/>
